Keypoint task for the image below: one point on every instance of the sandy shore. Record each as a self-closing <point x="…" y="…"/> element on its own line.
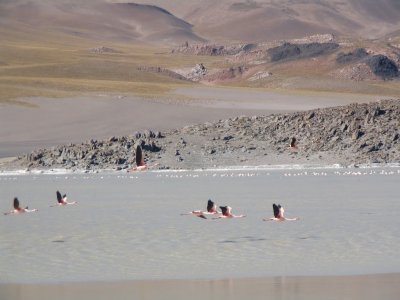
<point x="361" y="287"/>
<point x="49" y="122"/>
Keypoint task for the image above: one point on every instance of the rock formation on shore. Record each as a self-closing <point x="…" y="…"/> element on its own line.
<point x="352" y="134"/>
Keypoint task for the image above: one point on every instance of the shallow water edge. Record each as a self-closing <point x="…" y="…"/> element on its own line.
<point x="361" y="287"/>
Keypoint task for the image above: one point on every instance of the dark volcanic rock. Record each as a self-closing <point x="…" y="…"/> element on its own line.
<point x="383" y="66"/>
<point x="289" y="51"/>
<point x="351" y="57"/>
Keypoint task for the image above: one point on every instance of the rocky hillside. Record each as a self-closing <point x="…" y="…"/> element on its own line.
<point x="353" y="134"/>
<point x="258" y="20"/>
<point x="170" y="21"/>
<point x="93" y="20"/>
<point x="317" y="55"/>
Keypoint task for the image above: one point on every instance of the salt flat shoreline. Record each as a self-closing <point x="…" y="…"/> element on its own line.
<point x="244" y="168"/>
<point x="356" y="287"/>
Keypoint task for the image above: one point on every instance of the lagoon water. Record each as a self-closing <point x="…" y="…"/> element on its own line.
<point x="129" y="227"/>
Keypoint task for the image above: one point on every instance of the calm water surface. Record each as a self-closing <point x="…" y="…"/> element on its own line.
<point x="128" y="226"/>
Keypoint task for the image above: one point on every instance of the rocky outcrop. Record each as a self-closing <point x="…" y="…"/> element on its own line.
<point x="351" y="57"/>
<point x="213" y="50"/>
<point x="360" y="65"/>
<point x="114" y="153"/>
<point x="289" y="51"/>
<point x="352" y="134"/>
<point x="197" y="73"/>
<point x="383" y="66"/>
<point x="227" y="74"/>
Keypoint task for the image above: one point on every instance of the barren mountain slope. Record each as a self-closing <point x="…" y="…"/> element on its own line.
<point x="224" y="20"/>
<point x="269" y="19"/>
<point x="95" y="20"/>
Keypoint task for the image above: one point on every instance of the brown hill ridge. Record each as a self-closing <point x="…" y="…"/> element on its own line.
<point x="171" y="21"/>
<point x="96" y="20"/>
<point x="260" y="20"/>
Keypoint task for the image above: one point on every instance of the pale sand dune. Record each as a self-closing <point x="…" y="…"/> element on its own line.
<point x="75" y="120"/>
<point x="363" y="287"/>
